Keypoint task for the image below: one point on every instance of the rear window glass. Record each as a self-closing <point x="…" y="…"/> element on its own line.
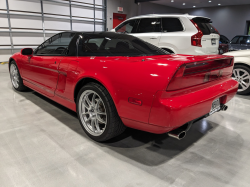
<point x="109" y="44"/>
<point x="223" y="39"/>
<point x="205" y="26"/>
<point x="171" y="25"/>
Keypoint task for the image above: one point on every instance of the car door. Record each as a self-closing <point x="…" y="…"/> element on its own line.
<point x="45" y="61"/>
<point x="149" y="30"/>
<point x="244" y="42"/>
<point x="234" y="45"/>
<point x="173" y="37"/>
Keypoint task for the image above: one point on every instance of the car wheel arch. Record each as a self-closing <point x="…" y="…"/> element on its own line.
<point x="10" y="60"/>
<point x="168" y="50"/>
<point x="241" y="63"/>
<point x="85" y="80"/>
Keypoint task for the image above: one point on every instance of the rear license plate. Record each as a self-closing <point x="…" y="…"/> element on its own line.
<point x="213" y="41"/>
<point x="215" y="106"/>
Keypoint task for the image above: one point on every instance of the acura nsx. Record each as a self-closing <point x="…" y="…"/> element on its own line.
<point x="114" y="81"/>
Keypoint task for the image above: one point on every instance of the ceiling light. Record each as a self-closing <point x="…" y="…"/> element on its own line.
<point x="184" y="3"/>
<point x="194" y="6"/>
<point x="219" y="4"/>
<point x="209" y="1"/>
<point x="172" y="1"/>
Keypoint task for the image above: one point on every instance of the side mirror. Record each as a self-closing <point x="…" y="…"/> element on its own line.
<point x="27" y="51"/>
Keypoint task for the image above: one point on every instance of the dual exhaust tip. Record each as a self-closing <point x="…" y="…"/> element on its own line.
<point x="181" y="132"/>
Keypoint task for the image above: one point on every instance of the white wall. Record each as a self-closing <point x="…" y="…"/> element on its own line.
<point x="27" y="25"/>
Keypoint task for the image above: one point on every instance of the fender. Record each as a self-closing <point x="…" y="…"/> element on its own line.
<point x="242" y="60"/>
<point x="169" y="46"/>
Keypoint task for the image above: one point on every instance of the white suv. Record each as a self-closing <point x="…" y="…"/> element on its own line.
<point x="179" y="34"/>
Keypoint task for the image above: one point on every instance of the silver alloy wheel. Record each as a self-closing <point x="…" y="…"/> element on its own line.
<point x="243" y="77"/>
<point x="14" y="75"/>
<point x="92" y="112"/>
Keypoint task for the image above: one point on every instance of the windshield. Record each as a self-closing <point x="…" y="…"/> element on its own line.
<point x="113" y="44"/>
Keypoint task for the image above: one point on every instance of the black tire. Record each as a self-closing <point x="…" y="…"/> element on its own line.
<point x="242" y="68"/>
<point x="114" y="125"/>
<point x="20" y="87"/>
<point x="168" y="50"/>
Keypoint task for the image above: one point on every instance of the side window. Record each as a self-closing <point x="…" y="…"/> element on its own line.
<point x="149" y="25"/>
<point x="55" y="45"/>
<point x="128" y="26"/>
<point x="91" y="45"/>
<point x="171" y="25"/>
<point x="241" y="40"/>
<point x="234" y="40"/>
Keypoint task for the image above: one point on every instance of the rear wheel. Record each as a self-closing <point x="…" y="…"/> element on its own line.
<point x="97" y="113"/>
<point x="241" y="74"/>
<point x="16" y="80"/>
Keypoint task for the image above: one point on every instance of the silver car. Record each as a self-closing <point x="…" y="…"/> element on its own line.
<point x="240" y="42"/>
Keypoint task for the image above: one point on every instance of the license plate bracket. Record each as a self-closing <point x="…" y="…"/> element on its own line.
<point x="213" y="41"/>
<point x="215" y="106"/>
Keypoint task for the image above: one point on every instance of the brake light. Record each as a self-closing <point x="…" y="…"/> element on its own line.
<point x="196" y="73"/>
<point x="196" y="39"/>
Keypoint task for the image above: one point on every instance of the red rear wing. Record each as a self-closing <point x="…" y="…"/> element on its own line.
<point x="196" y="73"/>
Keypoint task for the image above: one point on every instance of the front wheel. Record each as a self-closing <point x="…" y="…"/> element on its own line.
<point x="241" y="74"/>
<point x="16" y="80"/>
<point x="97" y="113"/>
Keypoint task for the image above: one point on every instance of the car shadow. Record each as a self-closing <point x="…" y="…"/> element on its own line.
<point x="142" y="147"/>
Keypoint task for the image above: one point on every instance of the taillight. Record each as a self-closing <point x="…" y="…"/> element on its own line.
<point x="196" y="73"/>
<point x="196" y="39"/>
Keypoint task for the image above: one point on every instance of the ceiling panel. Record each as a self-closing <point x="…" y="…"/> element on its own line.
<point x="200" y="3"/>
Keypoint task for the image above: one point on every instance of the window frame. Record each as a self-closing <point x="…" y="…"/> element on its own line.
<point x="63" y="53"/>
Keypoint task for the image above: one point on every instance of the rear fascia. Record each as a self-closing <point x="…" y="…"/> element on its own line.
<point x="172" y="109"/>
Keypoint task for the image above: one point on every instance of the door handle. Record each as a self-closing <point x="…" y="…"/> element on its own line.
<point x="55" y="62"/>
<point x="153" y="38"/>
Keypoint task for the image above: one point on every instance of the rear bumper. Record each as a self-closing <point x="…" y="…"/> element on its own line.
<point x="171" y="110"/>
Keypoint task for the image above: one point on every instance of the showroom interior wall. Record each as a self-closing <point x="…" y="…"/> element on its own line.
<point x="27" y="23"/>
<point x="229" y="20"/>
<point x="131" y="9"/>
<point x="152" y="8"/>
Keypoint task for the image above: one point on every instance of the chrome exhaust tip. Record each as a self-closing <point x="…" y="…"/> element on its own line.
<point x="224" y="107"/>
<point x="178" y="135"/>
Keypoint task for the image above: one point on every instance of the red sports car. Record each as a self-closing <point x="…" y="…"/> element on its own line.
<point x="116" y="80"/>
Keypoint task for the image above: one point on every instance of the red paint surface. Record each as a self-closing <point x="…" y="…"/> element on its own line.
<point x="118" y="18"/>
<point x="142" y="78"/>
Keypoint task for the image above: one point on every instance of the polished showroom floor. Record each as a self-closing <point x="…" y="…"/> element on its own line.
<point x="42" y="144"/>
